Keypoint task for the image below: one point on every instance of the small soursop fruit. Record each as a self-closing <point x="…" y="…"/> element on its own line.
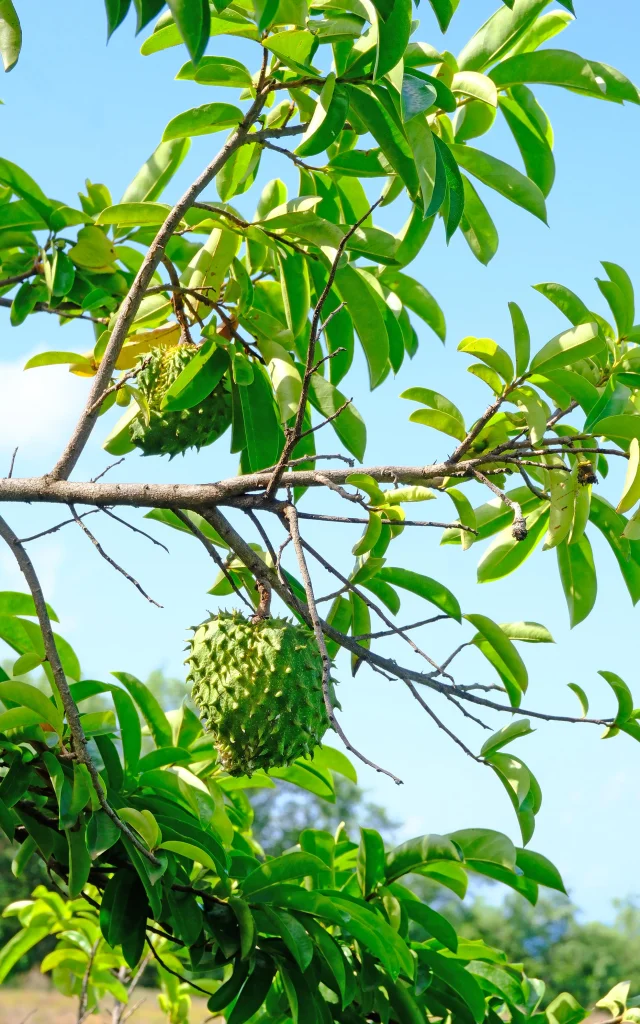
<point x="259" y="690"/>
<point x="168" y="433"/>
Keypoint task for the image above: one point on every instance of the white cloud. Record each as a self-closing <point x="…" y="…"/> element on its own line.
<point x="37" y="409"/>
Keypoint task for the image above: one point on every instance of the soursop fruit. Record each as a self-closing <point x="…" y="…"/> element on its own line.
<point x="168" y="433"/>
<point x="258" y="687"/>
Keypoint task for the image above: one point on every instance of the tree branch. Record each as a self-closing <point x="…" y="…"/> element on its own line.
<point x="292" y="519"/>
<point x="129" y="307"/>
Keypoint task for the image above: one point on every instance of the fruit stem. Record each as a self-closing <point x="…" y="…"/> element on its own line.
<point x="263" y="610"/>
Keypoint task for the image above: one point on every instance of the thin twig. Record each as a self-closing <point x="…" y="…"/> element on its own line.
<point x="456" y="739"/>
<point x="211" y="550"/>
<point x="113" y="465"/>
<point x="135" y="529"/>
<point x="119" y="384"/>
<point x="82" y="1003"/>
<point x="178" y="300"/>
<point x="519" y="529"/>
<point x="40" y="307"/>
<point x="58" y="526"/>
<point x="287" y="152"/>
<point x="389" y="632"/>
<point x="292" y="434"/>
<point x="261" y="571"/>
<point x="175" y="974"/>
<point x="530" y="484"/>
<point x="372" y="605"/>
<point x="327" y="419"/>
<point x="292" y="520"/>
<point x="109" y="559"/>
<point x="386" y="522"/>
<point x="12" y="463"/>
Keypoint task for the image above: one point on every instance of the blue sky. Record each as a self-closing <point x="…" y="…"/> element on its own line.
<point x="74" y="109"/>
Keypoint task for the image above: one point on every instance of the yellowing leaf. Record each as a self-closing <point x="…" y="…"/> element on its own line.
<point x="137" y="345"/>
<point x="94" y="251"/>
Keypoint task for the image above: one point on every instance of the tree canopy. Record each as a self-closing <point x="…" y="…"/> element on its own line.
<point x="212" y="327"/>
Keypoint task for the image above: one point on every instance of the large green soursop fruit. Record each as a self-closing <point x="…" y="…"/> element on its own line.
<point x="168" y="433"/>
<point x="259" y="690"/>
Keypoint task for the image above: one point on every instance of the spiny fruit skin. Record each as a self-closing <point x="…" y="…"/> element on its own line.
<point x="259" y="690"/>
<point x="168" y="433"/>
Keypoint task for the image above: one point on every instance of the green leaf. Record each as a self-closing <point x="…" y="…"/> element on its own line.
<point x="503" y="647"/>
<point x="432" y="922"/>
<point x="537" y="867"/>
<point x="563" y="68"/>
<point x="619" y="293"/>
<point x="439" y="421"/>
<point x="349" y="425"/>
<point x="261" y="424"/>
<point x="371" y="861"/>
<point x="514" y="730"/>
<point x="372" y="106"/>
<point x="134" y="214"/>
<point x="415" y="297"/>
<point x="458" y="978"/>
<point x="328" y="119"/>
<point x="623" y="696"/>
<point x="189" y="851"/>
<point x="14" y="603"/>
<point x="582" y="697"/>
<point x="521" y="338"/>
<point x="294" y="278"/>
<point x="152" y="713"/>
<point x="499" y="34"/>
<point x="231" y="987"/>
<point x="416" y="96"/>
<point x="192" y="19"/>
<point x="477" y="226"/>
<point x="357" y="293"/>
<point x="79" y="860"/>
<point x="567" y="301"/>
<point x="578" y="576"/>
<point x="199" y="378"/>
<point x="255" y="992"/>
<point x="331" y="951"/>
<point x="216" y="70"/>
<point x="294" y="48"/>
<point x="566" y="348"/>
<point x="444" y="11"/>
<point x="490" y="353"/>
<point x="612" y="526"/>
<point x="20" y="944"/>
<point x="503" y="178"/>
<point x="524" y="116"/>
<point x="358" y="919"/>
<point x="565" y="1009"/>
<point x="281" y="869"/>
<point x="393" y="36"/>
<point x="424" y="586"/>
<point x="57" y="359"/>
<point x="204" y="120"/>
<point x="24" y="186"/>
<point x="10" y="35"/>
<point x="30" y="697"/>
<point x="154" y="175"/>
<point x="454" y="200"/>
